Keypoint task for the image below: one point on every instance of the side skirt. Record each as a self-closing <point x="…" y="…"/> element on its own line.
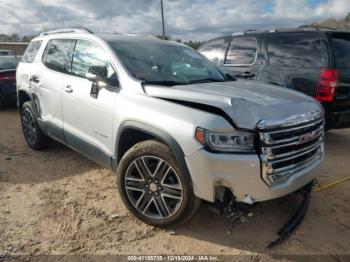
<point x="77" y="144"/>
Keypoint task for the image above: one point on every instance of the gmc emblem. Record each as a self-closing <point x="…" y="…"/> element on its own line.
<point x="307" y="137"/>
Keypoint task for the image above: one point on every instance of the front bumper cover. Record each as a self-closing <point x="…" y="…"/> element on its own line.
<point x="242" y="175"/>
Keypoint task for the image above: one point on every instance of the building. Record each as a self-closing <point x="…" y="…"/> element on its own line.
<point x="17" y="47"/>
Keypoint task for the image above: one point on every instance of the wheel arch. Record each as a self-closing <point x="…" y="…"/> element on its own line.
<point x="149" y="132"/>
<point x="25" y="96"/>
<point x="22" y="97"/>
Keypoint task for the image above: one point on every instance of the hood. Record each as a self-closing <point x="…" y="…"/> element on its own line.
<point x="244" y="102"/>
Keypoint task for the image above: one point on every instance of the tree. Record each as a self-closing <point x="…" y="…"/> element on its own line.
<point x="166" y="37"/>
<point x="190" y="43"/>
<point x="347" y="17"/>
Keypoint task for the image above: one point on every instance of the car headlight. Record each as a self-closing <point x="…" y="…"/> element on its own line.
<point x="237" y="141"/>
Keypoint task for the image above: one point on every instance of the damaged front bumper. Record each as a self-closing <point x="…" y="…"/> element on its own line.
<point x="297" y="218"/>
<point x="242" y="175"/>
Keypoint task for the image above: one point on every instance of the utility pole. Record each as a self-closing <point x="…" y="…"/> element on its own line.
<point x="161" y="7"/>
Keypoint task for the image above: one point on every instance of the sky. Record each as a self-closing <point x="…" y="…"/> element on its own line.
<point x="185" y="19"/>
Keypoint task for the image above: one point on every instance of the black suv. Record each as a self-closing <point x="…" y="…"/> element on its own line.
<point x="314" y="61"/>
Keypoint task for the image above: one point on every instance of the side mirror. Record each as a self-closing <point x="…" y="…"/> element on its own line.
<point x="97" y="75"/>
<point x="97" y="82"/>
<point x="91" y="76"/>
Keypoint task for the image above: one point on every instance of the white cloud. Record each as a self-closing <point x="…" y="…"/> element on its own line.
<point x="196" y="19"/>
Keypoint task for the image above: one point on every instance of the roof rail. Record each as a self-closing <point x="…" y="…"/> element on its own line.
<point x="302" y="27"/>
<point x="317" y="27"/>
<point x="249" y="31"/>
<point x="68" y="30"/>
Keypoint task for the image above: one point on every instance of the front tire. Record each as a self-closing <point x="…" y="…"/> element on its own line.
<point x="34" y="136"/>
<point x="152" y="186"/>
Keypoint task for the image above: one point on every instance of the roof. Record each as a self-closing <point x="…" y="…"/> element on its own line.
<point x="112" y="37"/>
<point x="134" y="38"/>
<point x="307" y="28"/>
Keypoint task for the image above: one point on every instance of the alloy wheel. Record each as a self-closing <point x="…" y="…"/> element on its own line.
<point x="153" y="187"/>
<point x="29" y="127"/>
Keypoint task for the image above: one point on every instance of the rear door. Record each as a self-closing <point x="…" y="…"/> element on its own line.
<point x="242" y="59"/>
<point x="294" y="60"/>
<point x="28" y="65"/>
<point x="341" y="49"/>
<point x="47" y="83"/>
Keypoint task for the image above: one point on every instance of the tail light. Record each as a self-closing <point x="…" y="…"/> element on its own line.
<point x="7" y="77"/>
<point x="327" y="85"/>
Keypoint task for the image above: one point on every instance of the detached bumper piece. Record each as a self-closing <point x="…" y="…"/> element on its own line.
<point x="298" y="217"/>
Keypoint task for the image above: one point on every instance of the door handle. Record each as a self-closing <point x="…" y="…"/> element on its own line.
<point x="69" y="89"/>
<point x="34" y="79"/>
<point x="246" y="75"/>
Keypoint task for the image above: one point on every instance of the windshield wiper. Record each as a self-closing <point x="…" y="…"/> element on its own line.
<point x="205" y="80"/>
<point x="163" y="83"/>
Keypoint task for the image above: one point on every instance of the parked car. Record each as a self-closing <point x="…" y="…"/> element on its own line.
<point x="6" y="52"/>
<point x="8" y="66"/>
<point x="172" y="124"/>
<point x="314" y="61"/>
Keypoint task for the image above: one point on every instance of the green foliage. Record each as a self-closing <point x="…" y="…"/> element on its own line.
<point x="190" y="43"/>
<point x="166" y="37"/>
<point x="15" y="38"/>
<point x="347" y="18"/>
<point x="341" y="24"/>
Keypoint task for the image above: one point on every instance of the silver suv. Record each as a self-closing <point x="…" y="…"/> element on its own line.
<point x="174" y="127"/>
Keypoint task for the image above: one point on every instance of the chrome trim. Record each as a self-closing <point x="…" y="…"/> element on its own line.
<point x="270" y="155"/>
<point x="270" y="163"/>
<point x="292" y="137"/>
<point x="266" y="138"/>
<point x="296" y="128"/>
<point x="283" y="175"/>
<point x="290" y="121"/>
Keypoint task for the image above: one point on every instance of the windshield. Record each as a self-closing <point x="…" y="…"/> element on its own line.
<point x="8" y="62"/>
<point x="167" y="63"/>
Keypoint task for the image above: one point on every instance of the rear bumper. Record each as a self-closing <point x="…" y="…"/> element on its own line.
<point x="242" y="174"/>
<point x="335" y="120"/>
<point x="8" y="96"/>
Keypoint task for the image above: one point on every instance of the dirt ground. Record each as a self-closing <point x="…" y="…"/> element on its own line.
<point x="58" y="202"/>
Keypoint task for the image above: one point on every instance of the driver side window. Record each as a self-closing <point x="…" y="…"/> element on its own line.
<point x="87" y="57"/>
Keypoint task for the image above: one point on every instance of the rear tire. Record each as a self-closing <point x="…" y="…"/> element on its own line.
<point x="35" y="137"/>
<point x="153" y="187"/>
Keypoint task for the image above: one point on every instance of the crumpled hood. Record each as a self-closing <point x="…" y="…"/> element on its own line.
<point x="245" y="102"/>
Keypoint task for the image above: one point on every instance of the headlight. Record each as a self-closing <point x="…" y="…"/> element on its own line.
<point x="238" y="141"/>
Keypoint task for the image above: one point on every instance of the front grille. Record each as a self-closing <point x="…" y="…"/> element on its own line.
<point x="288" y="149"/>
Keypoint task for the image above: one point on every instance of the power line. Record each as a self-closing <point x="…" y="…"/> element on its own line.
<point x="162" y="11"/>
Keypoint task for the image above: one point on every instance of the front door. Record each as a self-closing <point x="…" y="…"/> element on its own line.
<point x="242" y="60"/>
<point x="87" y="118"/>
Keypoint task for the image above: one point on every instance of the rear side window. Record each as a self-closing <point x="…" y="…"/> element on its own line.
<point x="341" y="45"/>
<point x="31" y="52"/>
<point x="88" y="56"/>
<point x="215" y="50"/>
<point x="242" y="51"/>
<point x="295" y="50"/>
<point x="58" y="55"/>
<point x="8" y="62"/>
